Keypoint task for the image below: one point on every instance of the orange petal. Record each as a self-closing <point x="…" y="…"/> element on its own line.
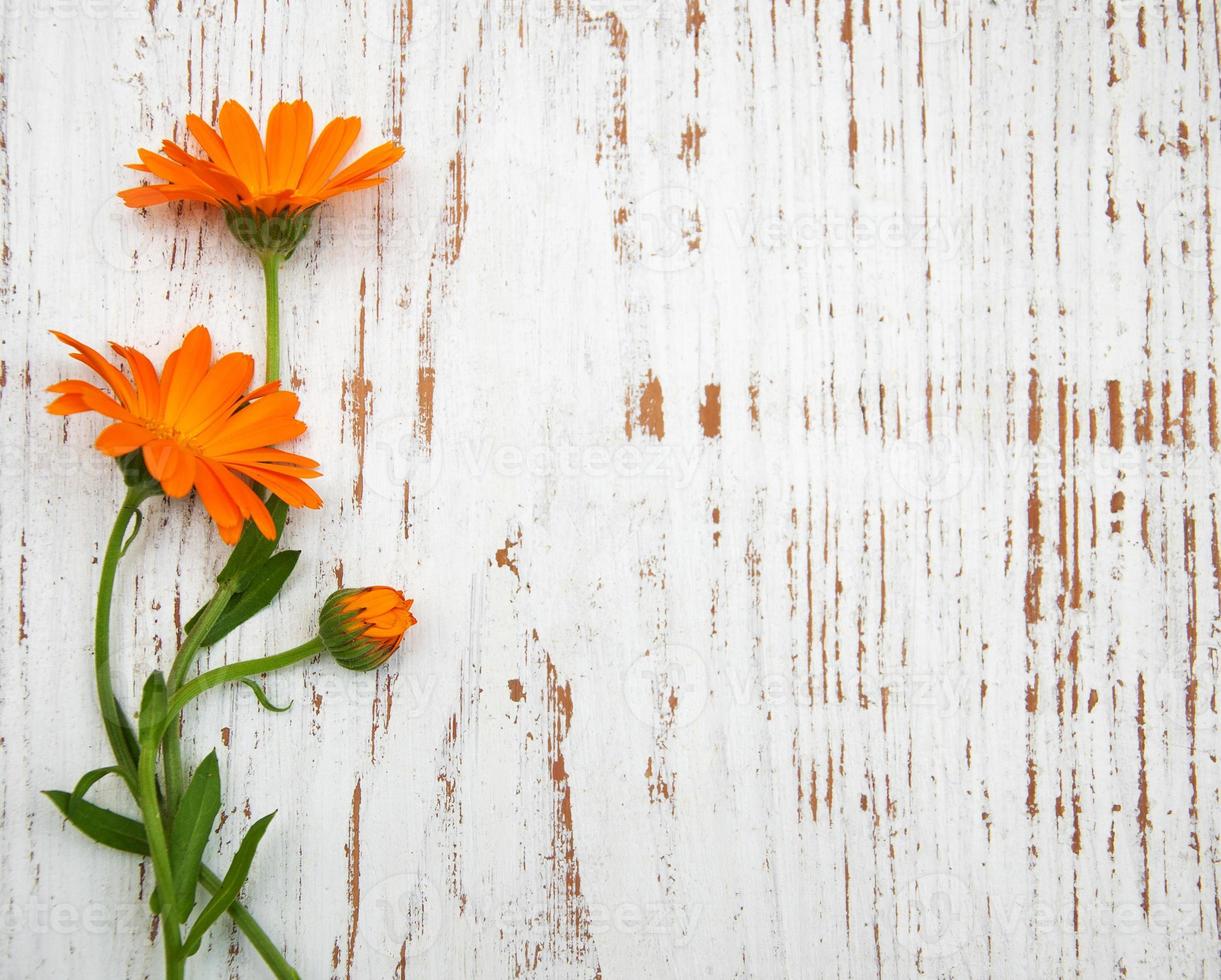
<point x="304" y="133"/>
<point x="183" y="372"/>
<point x="148" y="387"/>
<point x="67" y="405"/>
<point x="122" y="438"/>
<point x="216" y="499"/>
<point x="245" y="146"/>
<point x="244" y="429"/>
<point x="281" y="143"/>
<point x="217" y="393"/>
<point x="212" y="144"/>
<point x="151" y="196"/>
<point x="332" y="146"/>
<point x="379" y="158"/>
<point x="293" y="491"/>
<point x="171" y="465"/>
<point x="334" y="190"/>
<point x="248" y="502"/>
<point x="110" y="374"/>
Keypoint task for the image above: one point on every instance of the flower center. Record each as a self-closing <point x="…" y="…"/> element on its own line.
<point x="159" y="428"/>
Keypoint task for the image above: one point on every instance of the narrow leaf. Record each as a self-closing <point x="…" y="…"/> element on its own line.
<point x="132" y="536"/>
<point x="127" y="733"/>
<point x="264" y="586"/>
<point x="262" y="696"/>
<point x="85" y="783"/>
<point x="104" y="826"/>
<point x="226" y="895"/>
<point x="192" y="826"/>
<point x="152" y="708"/>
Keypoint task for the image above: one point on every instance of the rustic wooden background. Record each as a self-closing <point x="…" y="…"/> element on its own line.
<point x="797" y="423"/>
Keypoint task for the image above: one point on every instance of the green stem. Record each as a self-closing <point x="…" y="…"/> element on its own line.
<point x="271" y="278"/>
<point x="114" y="722"/>
<point x="279" y="966"/>
<point x="243" y="668"/>
<point x="112" y="718"/>
<point x="159" y="851"/>
<point x="182" y="663"/>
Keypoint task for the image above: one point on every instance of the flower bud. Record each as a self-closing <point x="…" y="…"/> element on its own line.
<point x="362" y="627"/>
<point x="269" y="234"/>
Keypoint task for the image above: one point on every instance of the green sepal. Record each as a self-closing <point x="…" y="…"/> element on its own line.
<point x="269" y="234"/>
<point x="101" y="825"/>
<point x="136" y="474"/>
<point x="192" y="826"/>
<point x="227" y="894"/>
<point x="262" y="696"/>
<point x="152" y="710"/>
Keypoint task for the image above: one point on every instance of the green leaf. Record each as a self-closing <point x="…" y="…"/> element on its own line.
<point x="127" y="732"/>
<point x="252" y="549"/>
<point x="85" y="783"/>
<point x="132" y="536"/>
<point x="264" y="586"/>
<point x="152" y="709"/>
<point x="192" y="826"/>
<point x="262" y="696"/>
<point x="104" y="826"/>
<point x="226" y="895"/>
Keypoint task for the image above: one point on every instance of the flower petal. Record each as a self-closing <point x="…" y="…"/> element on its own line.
<point x="245" y="146"/>
<point x="122" y="438"/>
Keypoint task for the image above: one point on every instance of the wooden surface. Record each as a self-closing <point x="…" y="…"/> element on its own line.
<point x="797" y="424"/>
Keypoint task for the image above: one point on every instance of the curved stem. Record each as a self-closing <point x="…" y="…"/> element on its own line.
<point x="115" y="724"/>
<point x="243" y="668"/>
<point x="112" y="717"/>
<point x="271" y="279"/>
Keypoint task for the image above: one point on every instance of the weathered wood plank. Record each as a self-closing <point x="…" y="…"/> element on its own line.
<point x="797" y="423"/>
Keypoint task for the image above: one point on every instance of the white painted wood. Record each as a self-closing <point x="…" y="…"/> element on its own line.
<point x="796" y="422"/>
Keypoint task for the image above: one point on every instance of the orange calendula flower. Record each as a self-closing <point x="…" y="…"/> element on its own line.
<point x="362" y="627"/>
<point x="199" y="427"/>
<point x="281" y="179"/>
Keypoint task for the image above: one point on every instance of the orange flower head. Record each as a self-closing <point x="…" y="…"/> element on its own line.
<point x="362" y="627"/>
<point x="198" y="426"/>
<point x="268" y="189"/>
